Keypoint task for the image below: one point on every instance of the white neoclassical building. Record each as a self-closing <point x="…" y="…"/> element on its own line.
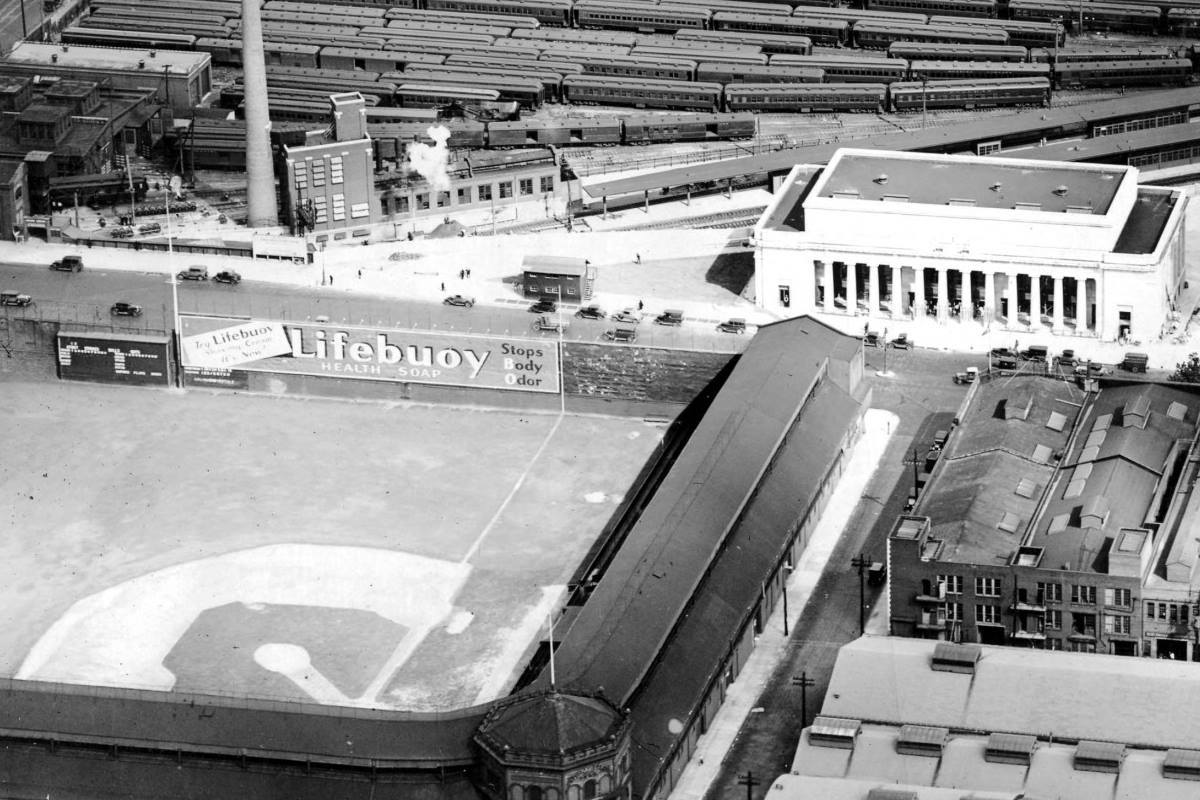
<point x="1077" y="249"/>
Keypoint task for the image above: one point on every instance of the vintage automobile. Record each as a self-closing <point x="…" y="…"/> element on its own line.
<point x="672" y="317"/>
<point x="125" y="310"/>
<point x="227" y="276"/>
<point x="546" y="305"/>
<point x="627" y="316"/>
<point x="621" y="335"/>
<point x="591" y="312"/>
<point x="970" y="375"/>
<point x="733" y="325"/>
<point x="901" y="342"/>
<point x="193" y="273"/>
<point x="68" y="264"/>
<point x="11" y="297"/>
<point x="548" y="323"/>
<point x="459" y="300"/>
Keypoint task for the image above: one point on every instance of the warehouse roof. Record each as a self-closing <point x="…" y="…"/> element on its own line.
<point x="121" y="59"/>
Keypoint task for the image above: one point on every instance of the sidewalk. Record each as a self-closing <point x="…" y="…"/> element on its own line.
<point x="771" y="644"/>
<point x="673" y="272"/>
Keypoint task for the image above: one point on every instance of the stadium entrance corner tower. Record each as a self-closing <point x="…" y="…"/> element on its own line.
<point x="554" y="745"/>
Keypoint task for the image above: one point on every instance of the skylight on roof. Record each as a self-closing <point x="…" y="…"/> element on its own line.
<point x="1042" y="454"/>
<point x="1009" y="522"/>
<point x="1102" y="422"/>
<point x="1057" y="421"/>
<point x="1026" y="488"/>
<point x="1058" y="523"/>
<point x="1074" y="489"/>
<point x="1177" y="411"/>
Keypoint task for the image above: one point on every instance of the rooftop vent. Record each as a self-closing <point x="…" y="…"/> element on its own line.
<point x="881" y="178"/>
<point x="1182" y="764"/>
<point x="997" y="186"/>
<point x="153" y="53"/>
<point x="54" y="58"/>
<point x="922" y="740"/>
<point x="65" y="48"/>
<point x="834" y="732"/>
<point x="1010" y="748"/>
<point x="1099" y="756"/>
<point x="951" y="657"/>
<point x="141" y="63"/>
<point x="1061" y="191"/>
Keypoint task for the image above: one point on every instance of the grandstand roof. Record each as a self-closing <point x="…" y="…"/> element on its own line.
<point x="984" y="183"/>
<point x="714" y="530"/>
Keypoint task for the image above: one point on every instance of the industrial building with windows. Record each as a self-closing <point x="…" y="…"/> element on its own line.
<point x="1057" y="518"/>
<point x="936" y="721"/>
<point x="1018" y="244"/>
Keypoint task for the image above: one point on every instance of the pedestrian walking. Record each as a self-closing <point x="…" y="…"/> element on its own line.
<point x="331" y="280"/>
<point x="640" y="305"/>
<point x="637" y="259"/>
<point x="468" y="272"/>
<point x="443" y="286"/>
<point x="360" y="274"/>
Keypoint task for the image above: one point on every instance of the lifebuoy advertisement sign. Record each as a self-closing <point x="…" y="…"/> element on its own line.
<point x="217" y="344"/>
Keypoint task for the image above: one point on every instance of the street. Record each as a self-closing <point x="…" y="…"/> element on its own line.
<point x="85" y="298"/>
<point x="924" y="396"/>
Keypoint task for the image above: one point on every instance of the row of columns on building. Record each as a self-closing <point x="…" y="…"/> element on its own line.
<point x="868" y="288"/>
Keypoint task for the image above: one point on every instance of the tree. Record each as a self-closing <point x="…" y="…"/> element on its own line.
<point x="1188" y="371"/>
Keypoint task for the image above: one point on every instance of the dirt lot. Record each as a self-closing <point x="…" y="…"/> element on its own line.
<point x="143" y="525"/>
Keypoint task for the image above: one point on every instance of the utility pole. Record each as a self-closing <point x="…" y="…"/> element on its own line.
<point x="749" y="781"/>
<point x="861" y="562"/>
<point x="803" y="681"/>
<point x="916" y="476"/>
<point x="924" y="81"/>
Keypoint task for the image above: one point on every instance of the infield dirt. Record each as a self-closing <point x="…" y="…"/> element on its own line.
<point x="131" y="513"/>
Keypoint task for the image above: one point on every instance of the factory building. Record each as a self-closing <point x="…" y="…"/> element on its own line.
<point x="1020" y="245"/>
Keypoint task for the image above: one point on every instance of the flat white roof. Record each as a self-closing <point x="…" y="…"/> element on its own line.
<point x="107" y="58"/>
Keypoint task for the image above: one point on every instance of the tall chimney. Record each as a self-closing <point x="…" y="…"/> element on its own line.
<point x="261" y="207"/>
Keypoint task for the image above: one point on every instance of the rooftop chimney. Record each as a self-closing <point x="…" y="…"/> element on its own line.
<point x="261" y="209"/>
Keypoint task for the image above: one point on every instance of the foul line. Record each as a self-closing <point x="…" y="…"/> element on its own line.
<point x="516" y="486"/>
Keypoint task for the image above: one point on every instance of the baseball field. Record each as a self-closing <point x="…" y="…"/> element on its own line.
<point x="391" y="556"/>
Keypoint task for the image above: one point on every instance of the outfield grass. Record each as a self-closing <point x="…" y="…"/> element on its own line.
<point x="102" y="485"/>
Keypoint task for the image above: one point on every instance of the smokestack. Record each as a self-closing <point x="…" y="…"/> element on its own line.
<point x="262" y="210"/>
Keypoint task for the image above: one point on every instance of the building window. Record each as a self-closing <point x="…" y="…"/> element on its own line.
<point x="526" y="186"/>
<point x="1085" y="595"/>
<point x="1117" y="623"/>
<point x="1149" y="610"/>
<point x="1162" y="610"/>
<point x="547" y="183"/>
<point x="1053" y="619"/>
<point x="1054" y="644"/>
<point x="987" y="614"/>
<point x="464" y="195"/>
<point x="505" y="189"/>
<point x="953" y="583"/>
<point x="1084" y="624"/>
<point x="954" y="612"/>
<point x="1173" y="613"/>
<point x="443" y="199"/>
<point x="485" y="192"/>
<point x="422" y="201"/>
<point x="1050" y="592"/>
<point x="1118" y="598"/>
<point x="987" y="587"/>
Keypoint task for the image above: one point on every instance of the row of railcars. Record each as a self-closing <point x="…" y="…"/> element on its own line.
<point x="897" y="96"/>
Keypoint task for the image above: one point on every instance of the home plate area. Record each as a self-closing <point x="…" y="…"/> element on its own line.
<point x="314" y="623"/>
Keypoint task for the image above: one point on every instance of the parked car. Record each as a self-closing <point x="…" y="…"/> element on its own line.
<point x="1091" y="369"/>
<point x="876" y="573"/>
<point x="969" y="376"/>
<point x="121" y="233"/>
<point x="11" y="297"/>
<point x="873" y="339"/>
<point x="591" y="312"/>
<point x="68" y="264"/>
<point x="1135" y="362"/>
<point x="1036" y="352"/>
<point x="193" y="273"/>
<point x="227" y="276"/>
<point x="901" y="342"/>
<point x="1003" y="352"/>
<point x="627" y="316"/>
<point x="1067" y="359"/>
<point x="546" y="305"/>
<point x="149" y="227"/>
<point x="126" y="310"/>
<point x="459" y="300"/>
<point x="671" y="316"/>
<point x="734" y="325"/>
<point x="548" y="323"/>
<point x="628" y="335"/>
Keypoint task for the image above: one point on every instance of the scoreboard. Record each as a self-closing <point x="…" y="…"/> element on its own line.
<point x="114" y="358"/>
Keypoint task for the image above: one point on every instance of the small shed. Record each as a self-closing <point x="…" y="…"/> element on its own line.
<point x="567" y="279"/>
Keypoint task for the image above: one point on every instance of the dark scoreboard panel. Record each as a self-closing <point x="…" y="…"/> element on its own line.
<point x="114" y="358"/>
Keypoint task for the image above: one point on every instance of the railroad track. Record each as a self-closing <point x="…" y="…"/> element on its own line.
<point x="738" y="218"/>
